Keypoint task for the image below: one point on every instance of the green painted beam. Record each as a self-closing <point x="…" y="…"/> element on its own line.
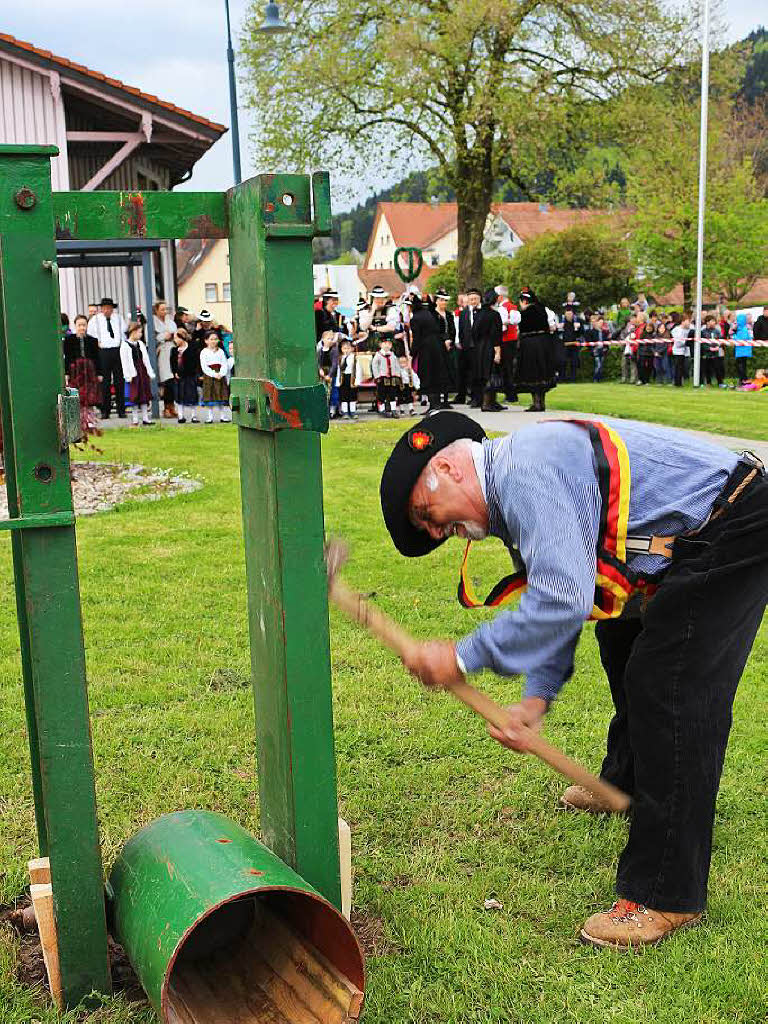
<point x="45" y="567"/>
<point x="281" y="483"/>
<point x="134" y="215"/>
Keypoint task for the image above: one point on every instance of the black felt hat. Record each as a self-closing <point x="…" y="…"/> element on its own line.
<point x="106" y="301"/>
<point x="404" y="466"/>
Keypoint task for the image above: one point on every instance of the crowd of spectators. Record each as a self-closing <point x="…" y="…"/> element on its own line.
<point x="412" y="348"/>
<point x="106" y="358"/>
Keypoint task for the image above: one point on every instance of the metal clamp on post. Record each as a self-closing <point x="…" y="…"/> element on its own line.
<point x="68" y="418"/>
<point x="266" y="405"/>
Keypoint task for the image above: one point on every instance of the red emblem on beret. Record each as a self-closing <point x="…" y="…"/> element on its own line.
<point x="420" y="439"/>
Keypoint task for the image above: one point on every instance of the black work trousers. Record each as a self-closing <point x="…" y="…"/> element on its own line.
<point x="112" y="369"/>
<point x="464" y="372"/>
<point x="508" y="356"/>
<point x="673" y="676"/>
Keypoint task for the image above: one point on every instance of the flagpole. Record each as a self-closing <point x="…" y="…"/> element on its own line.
<point x="702" y="193"/>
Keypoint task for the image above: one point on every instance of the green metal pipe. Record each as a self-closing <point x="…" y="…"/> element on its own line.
<point x="171" y="878"/>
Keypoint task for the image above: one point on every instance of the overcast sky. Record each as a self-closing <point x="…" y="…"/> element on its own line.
<point x="177" y="50"/>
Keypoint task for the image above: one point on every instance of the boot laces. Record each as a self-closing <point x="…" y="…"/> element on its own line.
<point x="626" y="910"/>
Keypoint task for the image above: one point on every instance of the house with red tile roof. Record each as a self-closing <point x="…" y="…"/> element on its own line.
<point x="432" y="228"/>
<point x="110" y="135"/>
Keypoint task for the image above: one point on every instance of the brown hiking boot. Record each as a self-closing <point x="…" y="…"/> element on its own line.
<point x="577" y="798"/>
<point x="628" y="925"/>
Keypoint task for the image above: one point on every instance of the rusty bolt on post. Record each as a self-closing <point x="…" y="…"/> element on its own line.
<point x="25" y="198"/>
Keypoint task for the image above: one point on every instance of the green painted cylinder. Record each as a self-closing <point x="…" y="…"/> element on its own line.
<point x="209" y="917"/>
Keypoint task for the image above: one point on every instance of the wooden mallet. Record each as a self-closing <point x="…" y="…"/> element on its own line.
<point x="402" y="643"/>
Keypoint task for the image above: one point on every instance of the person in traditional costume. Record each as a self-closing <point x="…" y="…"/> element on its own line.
<point x="138" y="372"/>
<point x="536" y="357"/>
<point x="213" y="363"/>
<point x="81" y="370"/>
<point x="659" y="536"/>
<point x="447" y="324"/>
<point x="327" y="368"/>
<point x="326" y="317"/>
<point x="428" y="351"/>
<point x="381" y="319"/>
<point x="410" y="386"/>
<point x="465" y="343"/>
<point x="486" y="369"/>
<point x="185" y="366"/>
<point x="109" y="328"/>
<point x="349" y="376"/>
<point x="386" y="372"/>
<point x="510" y="320"/>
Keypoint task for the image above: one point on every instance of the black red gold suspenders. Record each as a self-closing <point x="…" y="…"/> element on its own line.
<point x="615" y="582"/>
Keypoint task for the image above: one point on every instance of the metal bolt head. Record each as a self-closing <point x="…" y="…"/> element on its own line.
<point x="25" y="198"/>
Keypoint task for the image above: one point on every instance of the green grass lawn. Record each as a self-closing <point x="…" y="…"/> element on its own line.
<point x="441" y="816"/>
<point x="738" y="413"/>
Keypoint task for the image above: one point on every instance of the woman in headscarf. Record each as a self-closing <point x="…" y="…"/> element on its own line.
<point x="536" y="354"/>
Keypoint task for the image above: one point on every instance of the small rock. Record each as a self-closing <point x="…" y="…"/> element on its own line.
<point x="492" y="904"/>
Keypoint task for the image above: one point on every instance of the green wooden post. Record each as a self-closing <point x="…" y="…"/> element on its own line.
<point x="45" y="566"/>
<point x="271" y="229"/>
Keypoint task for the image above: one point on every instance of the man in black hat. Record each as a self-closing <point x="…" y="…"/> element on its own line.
<point x="109" y="328"/>
<point x="675" y="571"/>
<point x="465" y="343"/>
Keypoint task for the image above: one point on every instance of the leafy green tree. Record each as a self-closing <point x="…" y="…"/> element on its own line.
<point x="663" y="190"/>
<point x="496" y="270"/>
<point x="487" y="90"/>
<point x="590" y="258"/>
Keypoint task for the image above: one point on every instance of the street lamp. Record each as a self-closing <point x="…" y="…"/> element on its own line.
<point x="272" y="25"/>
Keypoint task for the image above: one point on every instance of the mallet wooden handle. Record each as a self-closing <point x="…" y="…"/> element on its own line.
<point x="402" y="643"/>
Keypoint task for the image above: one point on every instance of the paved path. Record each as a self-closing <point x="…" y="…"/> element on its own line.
<point x="514" y="417"/>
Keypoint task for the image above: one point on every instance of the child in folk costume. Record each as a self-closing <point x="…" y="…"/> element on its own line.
<point x="349" y="376"/>
<point x="185" y="364"/>
<point x="213" y="363"/>
<point x="410" y="384"/>
<point x="327" y="369"/>
<point x="138" y="372"/>
<point x="81" y="369"/>
<point x="386" y="372"/>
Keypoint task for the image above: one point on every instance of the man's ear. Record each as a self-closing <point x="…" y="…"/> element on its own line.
<point x="445" y="467"/>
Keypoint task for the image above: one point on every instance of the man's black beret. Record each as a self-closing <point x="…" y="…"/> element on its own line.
<point x="409" y="457"/>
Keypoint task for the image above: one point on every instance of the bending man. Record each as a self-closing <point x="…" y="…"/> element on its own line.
<point x="660" y="537"/>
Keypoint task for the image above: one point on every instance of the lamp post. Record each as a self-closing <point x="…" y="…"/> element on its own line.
<point x="702" y="195"/>
<point x="272" y="25"/>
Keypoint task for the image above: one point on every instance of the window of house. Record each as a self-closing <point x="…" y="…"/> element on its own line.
<point x="434" y="259"/>
<point x="225" y="292"/>
<point x="211" y="293"/>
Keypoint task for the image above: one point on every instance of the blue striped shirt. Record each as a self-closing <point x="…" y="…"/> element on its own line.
<point x="544" y="503"/>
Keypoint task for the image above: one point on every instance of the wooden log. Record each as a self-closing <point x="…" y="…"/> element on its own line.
<point x="345" y="862"/>
<point x="39" y="871"/>
<point x="42" y="901"/>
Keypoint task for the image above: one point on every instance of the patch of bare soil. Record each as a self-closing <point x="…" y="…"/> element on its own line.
<point x="371" y="934"/>
<point x="30" y="967"/>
